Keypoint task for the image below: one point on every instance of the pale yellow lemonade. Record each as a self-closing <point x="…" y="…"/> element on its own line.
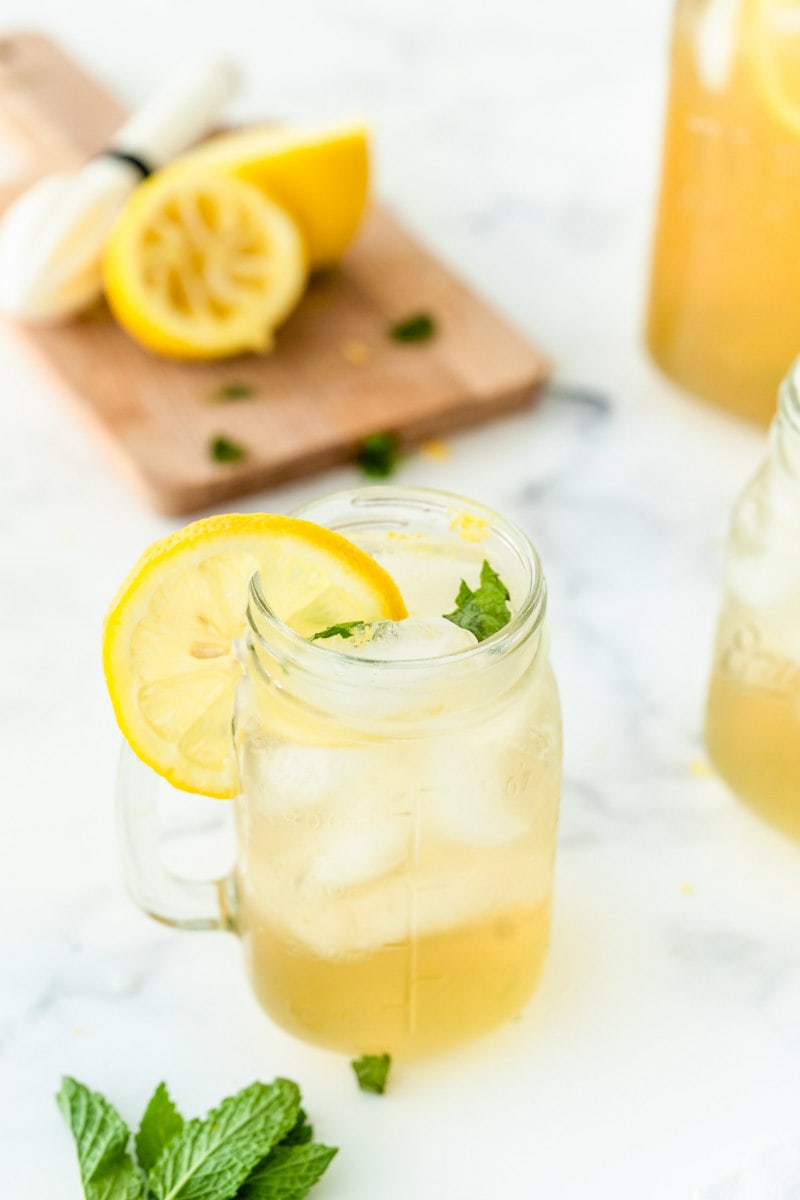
<point x="726" y="258"/>
<point x="753" y="718"/>
<point x="753" y="724"/>
<point x="399" y="800"/>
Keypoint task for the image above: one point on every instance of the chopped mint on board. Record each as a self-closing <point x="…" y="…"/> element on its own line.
<point x="223" y="450"/>
<point x="345" y="630"/>
<point x="378" y="454"/>
<point x="256" y="1145"/>
<point x="485" y="610"/>
<point x="372" y="1071"/>
<point x="417" y="327"/>
<point x="237" y="389"/>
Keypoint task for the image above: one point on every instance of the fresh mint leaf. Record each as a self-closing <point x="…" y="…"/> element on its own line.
<point x="237" y="389"/>
<point x="485" y="610"/>
<point x="378" y="454"/>
<point x="101" y="1140"/>
<point x="160" y="1124"/>
<point x="288" y="1173"/>
<point x="302" y="1133"/>
<point x="371" y="1072"/>
<point x="123" y="1181"/>
<point x="345" y="629"/>
<point x="211" y="1158"/>
<point x="223" y="450"/>
<point x="417" y="327"/>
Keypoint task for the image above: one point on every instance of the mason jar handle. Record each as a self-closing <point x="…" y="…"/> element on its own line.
<point x="169" y="898"/>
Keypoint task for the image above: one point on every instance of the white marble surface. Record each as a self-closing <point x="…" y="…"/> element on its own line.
<point x="663" y="1049"/>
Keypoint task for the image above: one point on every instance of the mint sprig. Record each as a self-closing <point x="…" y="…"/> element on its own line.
<point x="485" y="610"/>
<point x="160" y="1124"/>
<point x="288" y="1172"/>
<point x="101" y="1140"/>
<point x="211" y="1158"/>
<point x="372" y="1071"/>
<point x="256" y="1145"/>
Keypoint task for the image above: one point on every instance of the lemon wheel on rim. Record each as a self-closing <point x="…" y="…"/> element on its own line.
<point x="168" y="642"/>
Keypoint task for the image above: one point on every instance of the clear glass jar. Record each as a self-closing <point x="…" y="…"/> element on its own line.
<point x="753" y="717"/>
<point x="726" y="255"/>
<point x="396" y="825"/>
<point x="397" y="820"/>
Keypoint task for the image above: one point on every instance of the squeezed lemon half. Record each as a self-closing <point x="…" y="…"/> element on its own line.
<point x="168" y="652"/>
<point x="320" y="176"/>
<point x="201" y="265"/>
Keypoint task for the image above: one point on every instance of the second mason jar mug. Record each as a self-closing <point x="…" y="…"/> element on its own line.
<point x="753" y="716"/>
<point x="396" y="820"/>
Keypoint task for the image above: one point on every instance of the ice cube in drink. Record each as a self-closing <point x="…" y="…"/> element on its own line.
<point x="397" y="818"/>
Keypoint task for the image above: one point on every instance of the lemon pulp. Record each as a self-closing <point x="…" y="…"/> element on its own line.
<point x="202" y="266"/>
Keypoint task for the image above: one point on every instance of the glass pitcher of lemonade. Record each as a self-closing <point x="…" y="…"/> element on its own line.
<point x="724" y="312"/>
<point x="753" y="718"/>
<point x="398" y="802"/>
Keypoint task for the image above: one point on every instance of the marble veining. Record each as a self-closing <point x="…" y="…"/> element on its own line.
<point x="661" y="1056"/>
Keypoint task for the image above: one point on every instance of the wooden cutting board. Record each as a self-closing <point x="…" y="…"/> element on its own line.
<point x="335" y="376"/>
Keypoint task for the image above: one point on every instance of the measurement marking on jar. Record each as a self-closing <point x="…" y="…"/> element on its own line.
<point x="413" y="907"/>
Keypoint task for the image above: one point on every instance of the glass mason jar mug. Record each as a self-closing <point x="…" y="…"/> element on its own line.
<point x="753" y="716"/>
<point x="397" y="817"/>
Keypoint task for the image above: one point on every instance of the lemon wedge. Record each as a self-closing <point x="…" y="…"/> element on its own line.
<point x="202" y="266"/>
<point x="320" y="176"/>
<point x="775" y="41"/>
<point x="168" y="652"/>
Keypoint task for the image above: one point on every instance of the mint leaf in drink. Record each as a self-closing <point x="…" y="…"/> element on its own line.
<point x="101" y="1140"/>
<point x="288" y="1173"/>
<point x="211" y="1158"/>
<point x="160" y="1124"/>
<point x="378" y="454"/>
<point x="485" y="610"/>
<point x="302" y="1133"/>
<point x="371" y="1072"/>
<point x="223" y="450"/>
<point x="345" y="629"/>
<point x="417" y="327"/>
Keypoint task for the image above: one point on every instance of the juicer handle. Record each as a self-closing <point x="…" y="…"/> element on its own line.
<point x="169" y="898"/>
<point x="178" y="114"/>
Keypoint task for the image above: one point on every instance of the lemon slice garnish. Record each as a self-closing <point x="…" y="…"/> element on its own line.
<point x="200" y="265"/>
<point x="168" y="651"/>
